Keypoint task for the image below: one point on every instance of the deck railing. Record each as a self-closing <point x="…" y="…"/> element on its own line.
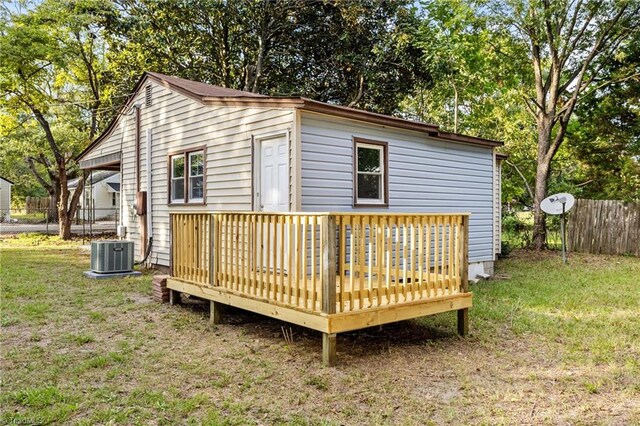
<point x="388" y="259"/>
<point x="191" y="234"/>
<point x="323" y="262"/>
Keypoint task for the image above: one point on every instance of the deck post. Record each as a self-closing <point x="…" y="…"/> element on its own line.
<point x="463" y="314"/>
<point x="329" y="349"/>
<point x="215" y="312"/>
<point x="328" y="241"/>
<point x="174" y="297"/>
<point x="328" y="224"/>
<point x="213" y="253"/>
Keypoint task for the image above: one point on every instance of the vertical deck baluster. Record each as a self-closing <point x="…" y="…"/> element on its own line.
<point x="305" y="294"/>
<point x="369" y="256"/>
<point x="190" y="232"/>
<point x="405" y="227"/>
<point x="421" y="257"/>
<point x="232" y="252"/>
<point x="313" y="263"/>
<point x="413" y="251"/>
<point x="456" y="260"/>
<point x="267" y="266"/>
<point x="361" y="261"/>
<point x="273" y="228"/>
<point x="427" y="243"/>
<point x="274" y="279"/>
<point x="341" y="264"/>
<point x="352" y="263"/>
<point x="291" y="254"/>
<point x="386" y="257"/>
<point x="255" y="264"/>
<point x="175" y="244"/>
<point x="396" y="275"/>
<point x="281" y="224"/>
<point x="444" y="253"/>
<point x="260" y="260"/>
<point x="229" y="259"/>
<point x="296" y="258"/>
<point x="450" y="258"/>
<point x="380" y="257"/>
<point x="243" y="257"/>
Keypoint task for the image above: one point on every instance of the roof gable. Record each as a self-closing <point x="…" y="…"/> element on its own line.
<point x="199" y="89"/>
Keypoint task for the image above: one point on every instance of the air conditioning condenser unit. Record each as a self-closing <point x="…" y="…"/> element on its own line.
<point x="111" y="256"/>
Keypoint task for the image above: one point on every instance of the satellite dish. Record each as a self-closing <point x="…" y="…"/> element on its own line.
<point x="557" y="203"/>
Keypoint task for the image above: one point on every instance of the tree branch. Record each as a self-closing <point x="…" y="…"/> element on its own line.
<point x="32" y="167"/>
<point x="526" y="184"/>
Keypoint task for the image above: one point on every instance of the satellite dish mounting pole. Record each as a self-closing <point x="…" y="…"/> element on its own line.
<point x="559" y="204"/>
<point x="563" y="237"/>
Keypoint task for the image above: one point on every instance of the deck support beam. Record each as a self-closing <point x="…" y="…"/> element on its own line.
<point x="329" y="349"/>
<point x="463" y="321"/>
<point x="215" y="312"/>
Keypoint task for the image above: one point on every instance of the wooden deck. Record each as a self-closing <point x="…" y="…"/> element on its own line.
<point x="331" y="272"/>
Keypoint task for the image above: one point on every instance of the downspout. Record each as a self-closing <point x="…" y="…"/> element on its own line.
<point x="122" y="233"/>
<point x="149" y="202"/>
<point x="121" y="229"/>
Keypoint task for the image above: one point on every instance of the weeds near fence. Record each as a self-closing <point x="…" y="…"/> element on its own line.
<point x="517" y="231"/>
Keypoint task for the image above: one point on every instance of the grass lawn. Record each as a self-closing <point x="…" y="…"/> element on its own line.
<point x="21" y="217"/>
<point x="549" y="344"/>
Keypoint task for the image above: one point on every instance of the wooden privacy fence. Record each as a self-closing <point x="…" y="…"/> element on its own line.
<point x="37" y="204"/>
<point x="323" y="262"/>
<point x="605" y="227"/>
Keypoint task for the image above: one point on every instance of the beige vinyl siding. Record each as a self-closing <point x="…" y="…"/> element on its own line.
<point x="178" y="123"/>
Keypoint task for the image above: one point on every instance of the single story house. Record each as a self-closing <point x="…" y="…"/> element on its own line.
<point x="101" y="198"/>
<point x="187" y="146"/>
<point x="5" y="199"/>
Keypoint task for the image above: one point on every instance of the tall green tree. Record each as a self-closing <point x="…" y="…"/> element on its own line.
<point x="567" y="43"/>
<point x="358" y="53"/>
<point x="476" y="86"/>
<point x="605" y="135"/>
<point x="518" y="71"/>
<point x="51" y="65"/>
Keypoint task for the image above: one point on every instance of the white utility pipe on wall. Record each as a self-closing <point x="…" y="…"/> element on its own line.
<point x="149" y="196"/>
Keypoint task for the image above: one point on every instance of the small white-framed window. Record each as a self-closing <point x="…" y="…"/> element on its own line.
<point x="187" y="177"/>
<point x="177" y="179"/>
<point x="196" y="176"/>
<point x="370" y="169"/>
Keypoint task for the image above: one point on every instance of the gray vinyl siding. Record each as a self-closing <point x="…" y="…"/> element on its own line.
<point x="497" y="212"/>
<point x="178" y="123"/>
<point x="425" y="175"/>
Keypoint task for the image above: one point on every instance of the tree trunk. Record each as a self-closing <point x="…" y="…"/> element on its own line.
<point x="542" y="179"/>
<point x="64" y="220"/>
<point x="539" y="224"/>
<point x="52" y="210"/>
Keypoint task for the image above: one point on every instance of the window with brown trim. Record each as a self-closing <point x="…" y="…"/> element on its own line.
<point x="187" y="177"/>
<point x="371" y="173"/>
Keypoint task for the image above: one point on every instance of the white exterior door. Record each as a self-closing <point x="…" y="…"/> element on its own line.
<point x="273" y="196"/>
<point x="274" y="175"/>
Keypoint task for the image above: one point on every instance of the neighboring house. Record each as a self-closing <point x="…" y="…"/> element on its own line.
<point x="5" y="199"/>
<point x="191" y="146"/>
<point x="101" y="198"/>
